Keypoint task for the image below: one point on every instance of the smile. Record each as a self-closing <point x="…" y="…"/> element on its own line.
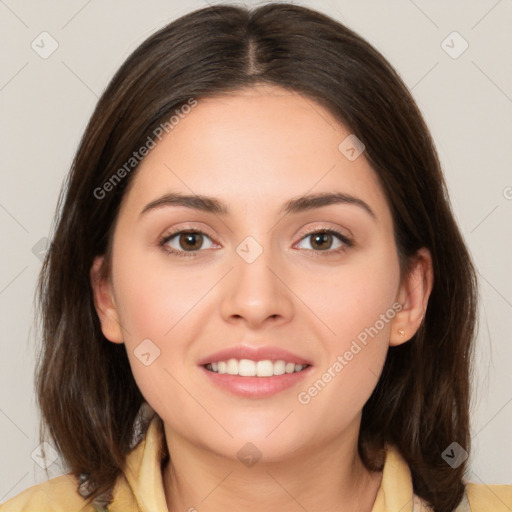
<point x="250" y="368"/>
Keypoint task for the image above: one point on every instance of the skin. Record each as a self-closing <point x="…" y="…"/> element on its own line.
<point x="254" y="150"/>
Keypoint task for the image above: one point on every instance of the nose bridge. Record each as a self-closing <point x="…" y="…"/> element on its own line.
<point x="256" y="290"/>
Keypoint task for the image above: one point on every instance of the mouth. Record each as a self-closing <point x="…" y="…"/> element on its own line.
<point x="254" y="372"/>
<point x="255" y="378"/>
<point x="250" y="368"/>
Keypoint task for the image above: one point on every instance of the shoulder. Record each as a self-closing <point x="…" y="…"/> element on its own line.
<point x="55" y="495"/>
<point x="60" y="494"/>
<point x="483" y="498"/>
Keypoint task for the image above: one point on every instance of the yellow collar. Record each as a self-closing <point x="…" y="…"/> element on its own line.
<point x="143" y="473"/>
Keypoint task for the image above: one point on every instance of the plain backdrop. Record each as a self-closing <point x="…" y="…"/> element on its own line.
<point x="461" y="81"/>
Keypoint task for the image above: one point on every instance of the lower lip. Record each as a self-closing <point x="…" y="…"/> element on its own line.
<point x="256" y="387"/>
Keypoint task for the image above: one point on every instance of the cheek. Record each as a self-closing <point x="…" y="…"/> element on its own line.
<point x="160" y="308"/>
<point x="155" y="294"/>
<point x="356" y="296"/>
<point x="356" y="306"/>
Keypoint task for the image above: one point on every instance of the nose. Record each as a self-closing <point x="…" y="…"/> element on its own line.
<point x="257" y="293"/>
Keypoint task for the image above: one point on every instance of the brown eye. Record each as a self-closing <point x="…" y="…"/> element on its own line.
<point x="186" y="241"/>
<point x="190" y="241"/>
<point x="321" y="241"/>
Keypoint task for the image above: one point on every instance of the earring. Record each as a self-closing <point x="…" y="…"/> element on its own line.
<point x="401" y="332"/>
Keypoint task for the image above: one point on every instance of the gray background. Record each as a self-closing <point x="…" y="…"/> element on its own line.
<point x="466" y="99"/>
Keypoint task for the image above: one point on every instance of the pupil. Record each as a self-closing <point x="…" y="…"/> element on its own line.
<point x="189" y="241"/>
<point x="321" y="237"/>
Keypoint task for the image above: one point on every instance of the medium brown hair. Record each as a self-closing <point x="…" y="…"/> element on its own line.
<point x="87" y="394"/>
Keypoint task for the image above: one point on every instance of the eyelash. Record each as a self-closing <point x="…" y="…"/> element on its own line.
<point x="347" y="242"/>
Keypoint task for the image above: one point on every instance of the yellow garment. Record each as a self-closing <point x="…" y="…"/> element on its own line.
<point x="140" y="488"/>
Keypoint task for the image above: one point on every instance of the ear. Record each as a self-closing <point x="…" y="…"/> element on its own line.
<point x="413" y="295"/>
<point x="105" y="304"/>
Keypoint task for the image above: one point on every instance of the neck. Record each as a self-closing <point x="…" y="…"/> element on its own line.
<point x="330" y="477"/>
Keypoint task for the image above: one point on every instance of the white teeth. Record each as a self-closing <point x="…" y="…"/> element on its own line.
<point x="249" y="368"/>
<point x="232" y="367"/>
<point x="289" y="368"/>
<point x="265" y="368"/>
<point x="279" y="367"/>
<point x="246" y="367"/>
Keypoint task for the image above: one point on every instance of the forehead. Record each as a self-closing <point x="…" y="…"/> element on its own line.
<point x="259" y="144"/>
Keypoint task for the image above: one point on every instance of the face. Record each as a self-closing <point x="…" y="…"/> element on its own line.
<point x="319" y="280"/>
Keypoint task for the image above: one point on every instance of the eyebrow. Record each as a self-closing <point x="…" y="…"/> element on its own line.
<point x="295" y="205"/>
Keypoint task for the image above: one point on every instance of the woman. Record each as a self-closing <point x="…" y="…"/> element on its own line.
<point x="256" y="294"/>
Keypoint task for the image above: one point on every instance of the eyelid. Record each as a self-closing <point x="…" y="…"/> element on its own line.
<point x="325" y="227"/>
<point x="187" y="228"/>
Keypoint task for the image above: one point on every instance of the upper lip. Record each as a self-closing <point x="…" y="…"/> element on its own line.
<point x="253" y="353"/>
